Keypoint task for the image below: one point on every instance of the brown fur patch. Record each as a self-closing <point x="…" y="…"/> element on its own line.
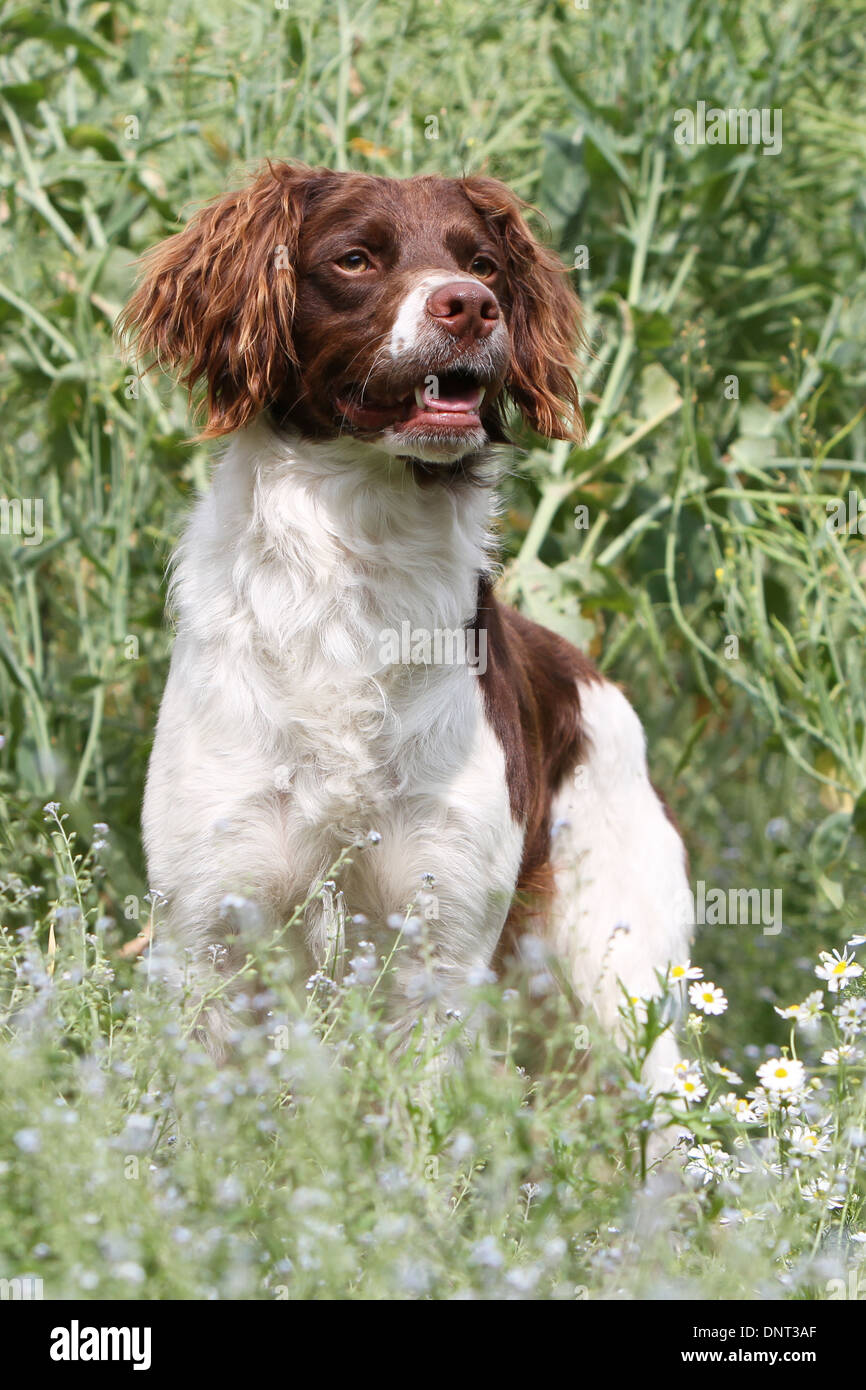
<point x="248" y="300"/>
<point x="531" y="691"/>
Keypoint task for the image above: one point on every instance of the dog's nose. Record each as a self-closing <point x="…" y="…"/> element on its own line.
<point x="466" y="308"/>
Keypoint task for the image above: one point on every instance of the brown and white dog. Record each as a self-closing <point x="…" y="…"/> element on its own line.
<point x="359" y="338"/>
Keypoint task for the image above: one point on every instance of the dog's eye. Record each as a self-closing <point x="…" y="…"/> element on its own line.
<point x="354" y="262"/>
<point x="483" y="267"/>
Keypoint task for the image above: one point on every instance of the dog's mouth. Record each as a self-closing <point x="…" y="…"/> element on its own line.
<point x="448" y="404"/>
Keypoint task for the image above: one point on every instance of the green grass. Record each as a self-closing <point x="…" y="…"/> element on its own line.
<point x="320" y="1164"/>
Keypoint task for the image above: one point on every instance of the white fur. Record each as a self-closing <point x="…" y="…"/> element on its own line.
<point x="284" y="735"/>
<point x="620" y="869"/>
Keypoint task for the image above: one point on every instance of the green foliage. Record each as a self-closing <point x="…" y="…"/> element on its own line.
<point x="326" y="1161"/>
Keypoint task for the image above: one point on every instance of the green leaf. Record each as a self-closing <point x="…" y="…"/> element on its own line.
<point x="659" y="392"/>
<point x="36" y="24"/>
<point x="654" y="330"/>
<point x="832" y="890"/>
<point x="24" y="96"/>
<point x="82" y="137"/>
<point x="563" y="64"/>
<point x="548" y="600"/>
<point x="858" y="815"/>
<point x="563" y="187"/>
<point x="81" y="684"/>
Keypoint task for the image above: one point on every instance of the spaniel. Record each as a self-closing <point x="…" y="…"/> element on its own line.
<point x="343" y="673"/>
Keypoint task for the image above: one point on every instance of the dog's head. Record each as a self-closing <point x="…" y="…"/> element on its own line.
<point x="402" y="311"/>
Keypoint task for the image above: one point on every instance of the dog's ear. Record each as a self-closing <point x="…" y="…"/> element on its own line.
<point x="215" y="302"/>
<point x="543" y="313"/>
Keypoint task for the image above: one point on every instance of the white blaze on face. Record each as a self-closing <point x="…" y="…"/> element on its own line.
<point x="412" y="317"/>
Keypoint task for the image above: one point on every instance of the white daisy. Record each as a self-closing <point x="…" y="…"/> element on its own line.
<point x="742" y="1110"/>
<point x="806" y="1013"/>
<point x="782" y="1075"/>
<point x="850" y="1014"/>
<point x="837" y="969"/>
<point x="808" y="1141"/>
<point x="679" y="974"/>
<point x="845" y="1052"/>
<point x="725" y="1072"/>
<point x="707" y="997"/>
<point x="759" y="1100"/>
<point x="709" y="1161"/>
<point x="818" y="1189"/>
<point x="690" y="1086"/>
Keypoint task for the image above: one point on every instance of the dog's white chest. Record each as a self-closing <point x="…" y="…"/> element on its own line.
<point x="293" y="725"/>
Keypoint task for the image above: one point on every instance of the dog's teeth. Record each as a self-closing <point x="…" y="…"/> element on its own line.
<point x="483" y="391"/>
<point x="419" y="397"/>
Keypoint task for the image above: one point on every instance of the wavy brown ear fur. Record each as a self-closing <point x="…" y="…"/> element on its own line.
<point x="216" y="301"/>
<point x="544" y="316"/>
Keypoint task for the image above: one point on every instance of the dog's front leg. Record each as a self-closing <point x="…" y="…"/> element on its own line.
<point x="620" y="913"/>
<point x="452" y="851"/>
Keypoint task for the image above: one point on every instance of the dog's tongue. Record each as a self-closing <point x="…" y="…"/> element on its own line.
<point x="462" y="401"/>
<point x="456" y="398"/>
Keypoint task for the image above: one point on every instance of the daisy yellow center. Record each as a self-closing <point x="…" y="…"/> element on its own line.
<point x="781" y="1071"/>
<point x="840" y="967"/>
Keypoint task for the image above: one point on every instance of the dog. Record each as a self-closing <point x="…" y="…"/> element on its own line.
<point x="360" y="340"/>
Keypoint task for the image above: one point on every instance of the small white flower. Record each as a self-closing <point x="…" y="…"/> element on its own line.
<point x="845" y="1052"/>
<point x="837" y="969"/>
<point x="818" y="1190"/>
<point x="690" y="1086"/>
<point x="806" y="1013"/>
<point x="29" y="1141"/>
<point x="707" y="997"/>
<point x="725" y="1072"/>
<point x="680" y="973"/>
<point x="850" y="1014"/>
<point x="486" y="1252"/>
<point x="808" y="1141"/>
<point x="759" y="1101"/>
<point x="709" y="1161"/>
<point x="742" y="1110"/>
<point x="782" y="1075"/>
<point x="480" y="974"/>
